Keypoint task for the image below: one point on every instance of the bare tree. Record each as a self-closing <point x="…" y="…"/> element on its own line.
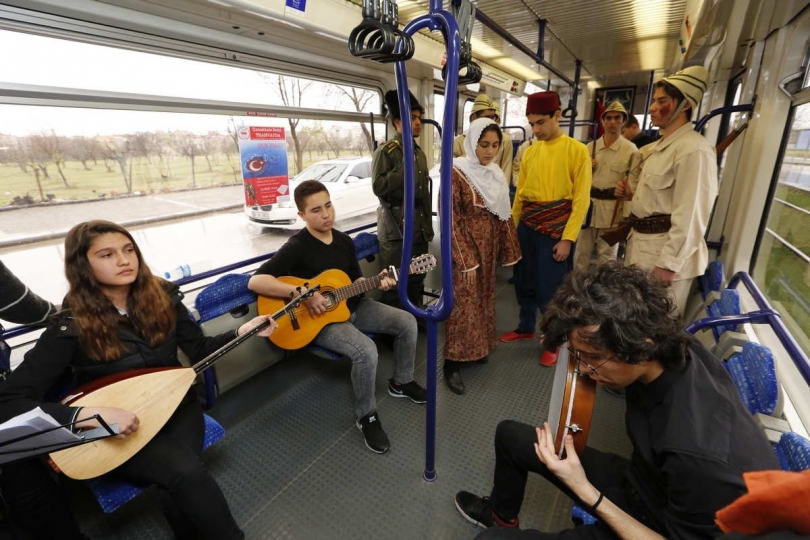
<point x="291" y="91"/>
<point x="336" y="140"/>
<point x="119" y="150"/>
<point x="208" y="146"/>
<point x="306" y="137"/>
<point x="143" y="144"/>
<point x="52" y="146"/>
<point x="187" y="144"/>
<point x="15" y="152"/>
<point x="233" y="132"/>
<point x="360" y="99"/>
<point x="83" y="149"/>
<point x="35" y="155"/>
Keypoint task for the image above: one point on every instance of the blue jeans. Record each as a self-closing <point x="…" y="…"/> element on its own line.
<point x="537" y="274"/>
<point x="348" y="338"/>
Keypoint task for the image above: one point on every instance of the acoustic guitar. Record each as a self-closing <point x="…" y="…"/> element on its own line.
<point x="571" y="406"/>
<point x="300" y="328"/>
<point x="153" y="394"/>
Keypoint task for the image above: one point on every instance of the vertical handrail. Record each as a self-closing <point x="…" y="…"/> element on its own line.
<point x="436" y="19"/>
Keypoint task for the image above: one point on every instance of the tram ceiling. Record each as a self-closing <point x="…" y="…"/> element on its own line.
<point x="618" y="41"/>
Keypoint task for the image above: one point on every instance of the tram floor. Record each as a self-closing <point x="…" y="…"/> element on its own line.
<point x="293" y="465"/>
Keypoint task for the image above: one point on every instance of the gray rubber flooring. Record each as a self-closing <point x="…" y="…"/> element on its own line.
<point x="294" y="466"/>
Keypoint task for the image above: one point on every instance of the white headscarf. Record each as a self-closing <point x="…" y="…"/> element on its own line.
<point x="487" y="180"/>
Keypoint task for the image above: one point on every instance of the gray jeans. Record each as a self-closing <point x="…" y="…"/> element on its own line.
<point x="348" y="338"/>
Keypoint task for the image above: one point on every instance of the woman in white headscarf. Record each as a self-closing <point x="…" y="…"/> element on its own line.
<point x="483" y="236"/>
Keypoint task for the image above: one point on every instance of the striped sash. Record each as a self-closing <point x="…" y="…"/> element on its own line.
<point x="547" y="218"/>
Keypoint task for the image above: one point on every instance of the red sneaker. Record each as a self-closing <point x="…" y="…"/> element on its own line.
<point x="549" y="358"/>
<point x="509" y="337"/>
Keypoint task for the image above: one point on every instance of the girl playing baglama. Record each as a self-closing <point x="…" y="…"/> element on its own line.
<point x="483" y="236"/>
<point x="117" y="317"/>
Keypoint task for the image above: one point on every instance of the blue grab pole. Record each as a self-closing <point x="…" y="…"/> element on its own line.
<point x="436" y="19"/>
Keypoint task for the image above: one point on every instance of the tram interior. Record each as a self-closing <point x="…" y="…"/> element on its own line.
<point x="292" y="463"/>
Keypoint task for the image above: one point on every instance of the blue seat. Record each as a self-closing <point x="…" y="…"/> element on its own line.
<point x="793" y="452"/>
<point x="366" y="245"/>
<point x="581" y="517"/>
<point x="225" y="294"/>
<point x="727" y="304"/>
<point x="754" y="374"/>
<point x="112" y="493"/>
<point x="713" y="279"/>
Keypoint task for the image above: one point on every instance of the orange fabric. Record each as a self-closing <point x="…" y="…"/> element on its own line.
<point x="776" y="501"/>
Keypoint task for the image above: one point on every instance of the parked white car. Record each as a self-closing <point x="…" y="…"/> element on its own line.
<point x="348" y="181"/>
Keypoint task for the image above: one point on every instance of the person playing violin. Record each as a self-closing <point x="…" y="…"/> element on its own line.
<point x="117" y="316"/>
<point x="692" y="436"/>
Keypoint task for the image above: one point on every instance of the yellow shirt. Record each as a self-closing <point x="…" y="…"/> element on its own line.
<point x="554" y="170"/>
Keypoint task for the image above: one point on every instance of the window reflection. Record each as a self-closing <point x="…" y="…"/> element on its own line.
<point x="783" y="262"/>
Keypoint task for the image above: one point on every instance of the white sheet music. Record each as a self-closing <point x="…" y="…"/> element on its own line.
<point x="33" y="423"/>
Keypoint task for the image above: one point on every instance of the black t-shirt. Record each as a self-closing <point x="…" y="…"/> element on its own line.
<point x="692" y="439"/>
<point x="304" y="256"/>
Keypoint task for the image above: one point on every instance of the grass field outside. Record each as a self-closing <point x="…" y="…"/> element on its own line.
<point x="107" y="181"/>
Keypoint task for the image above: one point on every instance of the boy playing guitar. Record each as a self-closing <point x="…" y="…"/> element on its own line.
<point x="317" y="248"/>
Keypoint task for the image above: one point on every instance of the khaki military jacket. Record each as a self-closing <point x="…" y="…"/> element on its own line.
<point x="678" y="177"/>
<point x="388" y="182"/>
<point x="612" y="165"/>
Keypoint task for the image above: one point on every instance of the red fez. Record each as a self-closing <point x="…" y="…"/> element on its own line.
<point x="543" y="103"/>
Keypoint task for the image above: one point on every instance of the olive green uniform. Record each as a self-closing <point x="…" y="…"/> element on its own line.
<point x="388" y="178"/>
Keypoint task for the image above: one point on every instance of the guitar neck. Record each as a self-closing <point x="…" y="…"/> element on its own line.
<point x="358" y="287"/>
<point x="212" y="358"/>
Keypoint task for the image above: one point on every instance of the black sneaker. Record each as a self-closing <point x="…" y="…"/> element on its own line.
<point x="410" y="390"/>
<point x="376" y="439"/>
<point x="478" y="510"/>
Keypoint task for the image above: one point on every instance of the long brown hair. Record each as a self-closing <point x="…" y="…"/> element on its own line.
<point x="96" y="319"/>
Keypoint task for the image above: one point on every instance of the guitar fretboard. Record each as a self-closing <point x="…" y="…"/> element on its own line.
<point x="356" y="288"/>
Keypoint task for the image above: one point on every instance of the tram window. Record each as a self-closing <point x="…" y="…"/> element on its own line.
<point x="782" y="267"/>
<point x="438" y="115"/>
<point x="94" y="67"/>
<point x="465" y="117"/>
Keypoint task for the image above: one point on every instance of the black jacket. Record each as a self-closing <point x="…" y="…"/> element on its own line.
<point x="57" y="357"/>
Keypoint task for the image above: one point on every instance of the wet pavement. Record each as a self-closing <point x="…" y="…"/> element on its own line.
<point x="205" y="229"/>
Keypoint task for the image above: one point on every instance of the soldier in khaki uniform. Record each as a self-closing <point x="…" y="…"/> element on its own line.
<point x="388" y="181"/>
<point x="611" y="164"/>
<point x="676" y="191"/>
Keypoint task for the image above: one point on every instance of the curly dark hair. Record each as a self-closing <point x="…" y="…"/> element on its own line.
<point x="631" y="310"/>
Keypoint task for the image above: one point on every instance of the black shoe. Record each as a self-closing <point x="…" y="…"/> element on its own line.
<point x="454" y="382"/>
<point x="376" y="439"/>
<point x="410" y="390"/>
<point x="478" y="510"/>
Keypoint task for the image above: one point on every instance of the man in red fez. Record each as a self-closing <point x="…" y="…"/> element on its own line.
<point x="551" y="201"/>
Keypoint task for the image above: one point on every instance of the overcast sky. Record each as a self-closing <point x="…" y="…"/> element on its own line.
<point x="54" y="62"/>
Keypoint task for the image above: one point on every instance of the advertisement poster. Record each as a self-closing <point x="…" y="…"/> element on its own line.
<point x="263" y="154"/>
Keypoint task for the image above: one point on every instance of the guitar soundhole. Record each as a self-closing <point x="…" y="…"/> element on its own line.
<point x="330" y="299"/>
